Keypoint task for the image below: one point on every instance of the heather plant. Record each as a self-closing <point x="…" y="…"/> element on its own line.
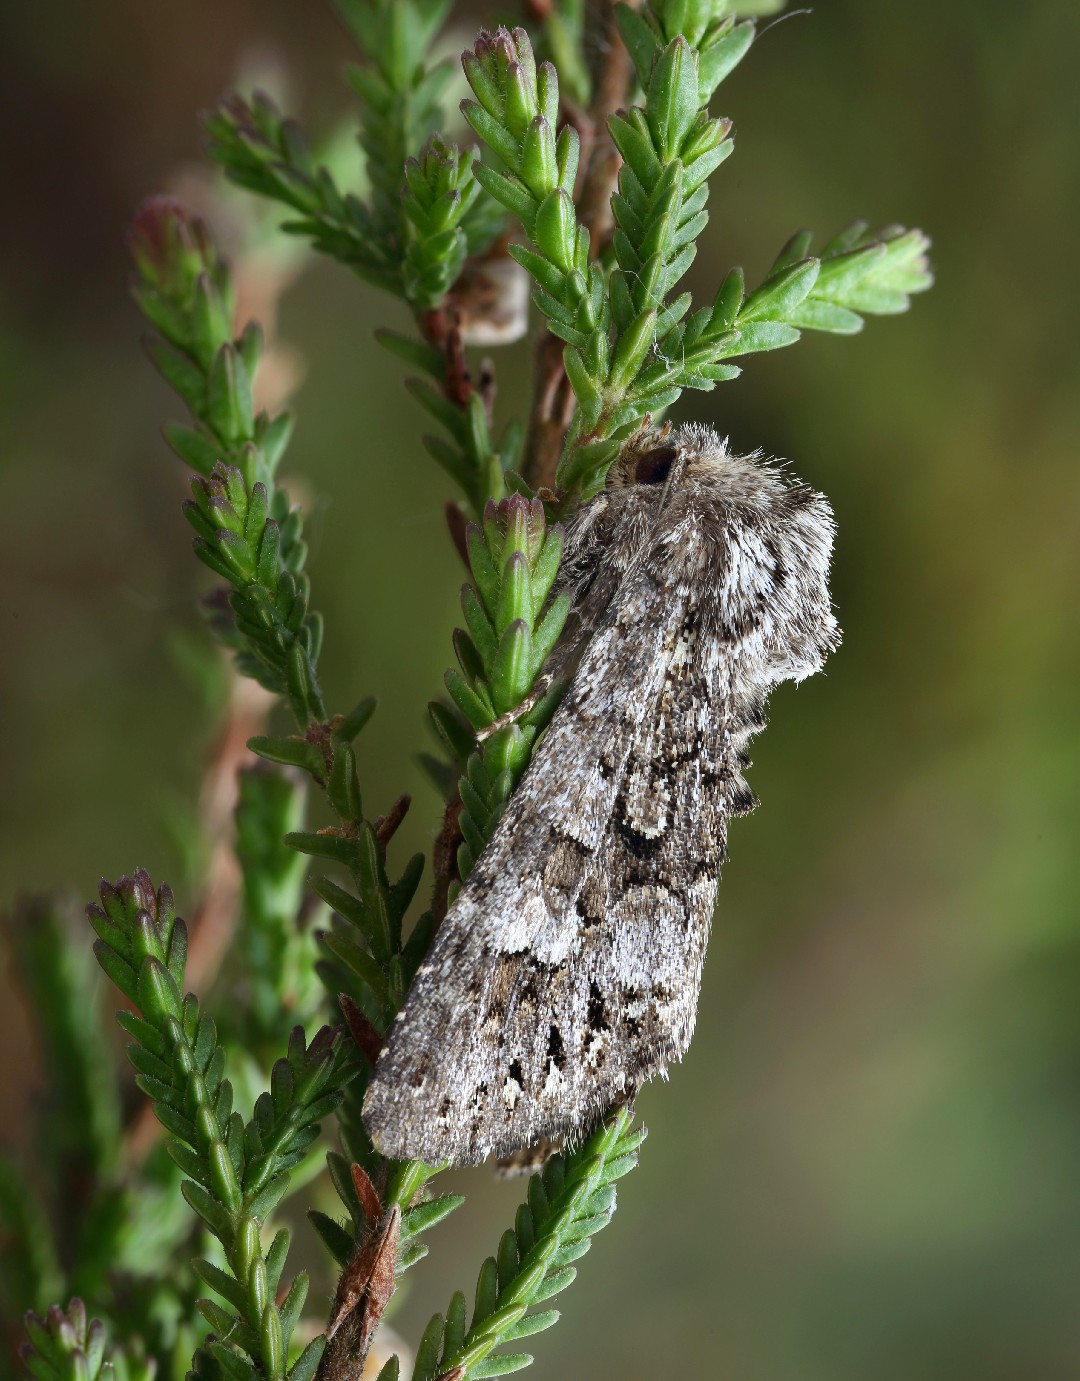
<point x="589" y="183"/>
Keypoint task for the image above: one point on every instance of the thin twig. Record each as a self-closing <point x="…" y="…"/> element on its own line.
<point x="214" y="922"/>
<point x="550" y="413"/>
<point x="610" y="93"/>
<point x="442" y="328"/>
<point x="444" y="857"/>
<point x="553" y="399"/>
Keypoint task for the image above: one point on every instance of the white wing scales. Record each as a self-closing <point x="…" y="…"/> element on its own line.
<point x="568" y="969"/>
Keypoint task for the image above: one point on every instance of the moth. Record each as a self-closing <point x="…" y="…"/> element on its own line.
<point x="567" y="970"/>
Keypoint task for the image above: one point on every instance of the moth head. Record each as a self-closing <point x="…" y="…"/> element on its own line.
<point x="742" y="530"/>
<point x="655" y="466"/>
<point x="653" y="458"/>
<point x="659" y="460"/>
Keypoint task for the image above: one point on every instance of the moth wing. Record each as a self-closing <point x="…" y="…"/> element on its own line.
<point x="580" y="959"/>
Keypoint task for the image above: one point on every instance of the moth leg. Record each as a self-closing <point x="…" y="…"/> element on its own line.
<point x="530" y="1158"/>
<point x="543" y="684"/>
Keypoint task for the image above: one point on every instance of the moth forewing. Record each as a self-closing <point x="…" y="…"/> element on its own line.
<point x="568" y="969"/>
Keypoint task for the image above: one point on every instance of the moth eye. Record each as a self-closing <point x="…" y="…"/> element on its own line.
<point x="655" y="466"/>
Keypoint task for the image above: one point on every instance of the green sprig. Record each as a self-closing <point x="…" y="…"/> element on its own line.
<point x="571" y="1201"/>
<point x="268" y="153"/>
<point x="515" y="113"/>
<point x="632" y="343"/>
<point x="66" y="1345"/>
<point x="30" y="1267"/>
<point x="82" y="1135"/>
<point x="562" y="38"/>
<point x="247" y="531"/>
<point x="400" y="91"/>
<point x="440" y="199"/>
<point x="629" y="350"/>
<point x="237" y="1172"/>
<point x="368" y="956"/>
<point x="273" y="954"/>
<point x="710" y="28"/>
<point x="469" y="454"/>
<point x="426" y="214"/>
<point x="609" y="320"/>
<point x="262" y="558"/>
<point x="511" y="626"/>
<point x="412" y="243"/>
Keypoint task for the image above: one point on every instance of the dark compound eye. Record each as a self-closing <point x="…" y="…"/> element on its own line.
<point x="655" y="466"/>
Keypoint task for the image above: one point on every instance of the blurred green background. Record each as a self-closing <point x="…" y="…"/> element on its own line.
<point x="869" y="1164"/>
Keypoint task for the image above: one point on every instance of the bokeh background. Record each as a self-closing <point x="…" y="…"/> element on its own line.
<point x="869" y="1164"/>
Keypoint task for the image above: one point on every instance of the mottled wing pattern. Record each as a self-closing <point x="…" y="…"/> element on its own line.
<point x="568" y="969"/>
<point x="578" y="927"/>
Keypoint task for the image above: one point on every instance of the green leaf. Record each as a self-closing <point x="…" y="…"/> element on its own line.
<point x="847" y="239"/>
<point x="452" y="459"/>
<point x="539" y="169"/>
<point x="501" y="1365"/>
<point x="634" y="345"/>
<point x="841" y="273"/>
<point x="232" y="1366"/>
<point x="719" y="59"/>
<point x="672" y="101"/>
<point x="228" y="402"/>
<point x="262" y="1204"/>
<point x="632" y="139"/>
<point x="555" y="227"/>
<point x="338" y="847"/>
<point x="512" y="671"/>
<point x="295" y="751"/>
<point x="876" y="299"/>
<point x="181" y="372"/>
<point x="192" y="447"/>
<point x="516" y="595"/>
<point x="815" y="315"/>
<point x="306" y="1365"/>
<point x="427" y="1353"/>
<point x="454" y="731"/>
<point x="215" y="1215"/>
<point x="439" y="407"/>
<point x="498" y="139"/>
<point x="759" y="335"/>
<point x="341" y="944"/>
<point x="511" y="192"/>
<point x="426" y="1215"/>
<point x="781" y="293"/>
<point x="531" y="1324"/>
<point x="336" y="1239"/>
<point x="343" y="785"/>
<point x="403" y="891"/>
<point x="471" y="704"/>
<point x="906" y="268"/>
<point x="351" y="725"/>
<point x="479" y="625"/>
<point x="483" y="570"/>
<point x="226" y="1285"/>
<point x="641" y="39"/>
<point x="796" y="250"/>
<point x="589" y="396"/>
<point x="581" y="464"/>
<point x="273" y="436"/>
<point x="416" y="353"/>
